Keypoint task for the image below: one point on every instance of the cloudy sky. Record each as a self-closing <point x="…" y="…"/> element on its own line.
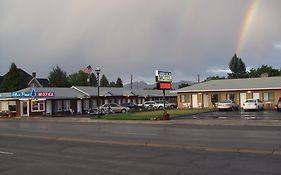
<point x="124" y="37"/>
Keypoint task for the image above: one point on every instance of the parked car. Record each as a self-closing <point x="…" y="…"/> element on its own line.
<point x="227" y="105"/>
<point x="130" y="105"/>
<point x="113" y="108"/>
<point x="278" y="106"/>
<point x="149" y="104"/>
<point x="160" y="104"/>
<point x="252" y="104"/>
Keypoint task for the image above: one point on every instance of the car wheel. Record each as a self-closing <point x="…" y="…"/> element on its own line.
<point x="160" y="107"/>
<point x="123" y="110"/>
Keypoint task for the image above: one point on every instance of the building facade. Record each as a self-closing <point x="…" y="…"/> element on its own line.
<point x="51" y="101"/>
<point x="207" y="94"/>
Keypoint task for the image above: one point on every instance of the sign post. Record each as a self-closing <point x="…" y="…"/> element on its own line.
<point x="164" y="82"/>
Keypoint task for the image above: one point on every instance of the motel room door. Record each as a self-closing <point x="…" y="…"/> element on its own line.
<point x="206" y="100"/>
<point x="256" y="95"/>
<point x="243" y="98"/>
<point x="194" y="101"/>
<point x="24" y="108"/>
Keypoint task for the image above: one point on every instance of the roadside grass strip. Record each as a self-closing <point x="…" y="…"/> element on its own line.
<point x="148" y="115"/>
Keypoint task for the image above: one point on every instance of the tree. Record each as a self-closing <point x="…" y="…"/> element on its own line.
<point x="119" y="82"/>
<point x="81" y="79"/>
<point x="264" y="69"/>
<point x="214" y="78"/>
<point x="237" y="67"/>
<point x="183" y="85"/>
<point x="58" y="78"/>
<point x="112" y="84"/>
<point x="12" y="81"/>
<point x="104" y="81"/>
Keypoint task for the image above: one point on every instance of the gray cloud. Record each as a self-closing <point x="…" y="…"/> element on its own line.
<point x="125" y="37"/>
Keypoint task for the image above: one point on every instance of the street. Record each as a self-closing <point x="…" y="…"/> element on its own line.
<point x="40" y="147"/>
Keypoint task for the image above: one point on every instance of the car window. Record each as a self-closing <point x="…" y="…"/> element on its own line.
<point x="113" y="105"/>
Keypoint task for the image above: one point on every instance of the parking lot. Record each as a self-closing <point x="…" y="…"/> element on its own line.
<point x="249" y="115"/>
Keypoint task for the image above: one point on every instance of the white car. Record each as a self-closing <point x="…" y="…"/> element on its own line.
<point x="252" y="104"/>
<point x="227" y="105"/>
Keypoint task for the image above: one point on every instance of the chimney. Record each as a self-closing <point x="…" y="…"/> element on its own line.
<point x="264" y="75"/>
<point x="34" y="74"/>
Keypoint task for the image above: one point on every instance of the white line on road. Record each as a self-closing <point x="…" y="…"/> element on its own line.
<point x="4" y="152"/>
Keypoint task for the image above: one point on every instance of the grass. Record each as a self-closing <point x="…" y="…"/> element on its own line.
<point x="147" y="115"/>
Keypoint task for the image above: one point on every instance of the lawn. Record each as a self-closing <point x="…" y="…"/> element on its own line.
<point x="148" y="115"/>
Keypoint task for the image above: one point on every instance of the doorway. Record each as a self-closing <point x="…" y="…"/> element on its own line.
<point x="24" y="108"/>
<point x="243" y="98"/>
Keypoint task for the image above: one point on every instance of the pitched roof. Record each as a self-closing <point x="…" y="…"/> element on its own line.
<point x="235" y="85"/>
<point x="115" y="91"/>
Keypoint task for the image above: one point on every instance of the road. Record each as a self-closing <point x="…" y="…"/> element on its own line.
<point x="40" y="147"/>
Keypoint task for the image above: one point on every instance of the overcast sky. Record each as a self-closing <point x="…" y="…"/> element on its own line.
<point x="124" y="37"/>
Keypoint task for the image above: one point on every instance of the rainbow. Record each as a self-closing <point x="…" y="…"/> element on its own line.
<point x="248" y="20"/>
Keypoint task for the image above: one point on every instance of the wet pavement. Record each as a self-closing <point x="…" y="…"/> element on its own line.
<point x="249" y="115"/>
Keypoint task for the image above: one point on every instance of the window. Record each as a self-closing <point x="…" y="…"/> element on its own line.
<point x="37" y="105"/>
<point x="58" y="106"/>
<point x="184" y="98"/>
<point x="215" y="98"/>
<point x="268" y="96"/>
<point x="231" y="96"/>
<point x="66" y="105"/>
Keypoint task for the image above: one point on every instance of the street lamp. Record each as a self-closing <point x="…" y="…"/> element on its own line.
<point x="98" y="84"/>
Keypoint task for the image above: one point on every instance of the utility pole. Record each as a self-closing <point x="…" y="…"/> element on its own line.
<point x="131" y="81"/>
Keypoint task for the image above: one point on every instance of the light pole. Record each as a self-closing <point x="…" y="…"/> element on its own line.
<point x="98" y="84"/>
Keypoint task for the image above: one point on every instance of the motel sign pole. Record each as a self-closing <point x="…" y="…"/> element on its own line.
<point x="98" y="84"/>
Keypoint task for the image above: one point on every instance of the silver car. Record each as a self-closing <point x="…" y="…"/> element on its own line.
<point x="253" y="104"/>
<point x="227" y="105"/>
<point x="114" y="108"/>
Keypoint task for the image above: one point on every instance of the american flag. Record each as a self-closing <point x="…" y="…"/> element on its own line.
<point x="88" y="70"/>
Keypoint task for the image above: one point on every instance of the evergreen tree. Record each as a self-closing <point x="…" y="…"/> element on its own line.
<point x="112" y="84"/>
<point x="119" y="82"/>
<point x="237" y="67"/>
<point x="58" y="78"/>
<point x="104" y="81"/>
<point x="12" y="81"/>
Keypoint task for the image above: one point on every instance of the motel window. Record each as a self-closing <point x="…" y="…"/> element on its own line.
<point x="58" y="106"/>
<point x="86" y="104"/>
<point x="66" y="105"/>
<point x="268" y="96"/>
<point x="184" y="98"/>
<point x="231" y="96"/>
<point x="8" y="106"/>
<point x="215" y="98"/>
<point x="37" y="105"/>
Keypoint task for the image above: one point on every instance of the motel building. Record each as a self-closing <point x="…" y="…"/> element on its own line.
<point x="54" y="101"/>
<point x="206" y="94"/>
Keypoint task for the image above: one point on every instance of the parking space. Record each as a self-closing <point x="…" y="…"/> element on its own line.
<point x="249" y="115"/>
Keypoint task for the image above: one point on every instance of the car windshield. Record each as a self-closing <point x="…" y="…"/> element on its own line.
<point x="250" y="101"/>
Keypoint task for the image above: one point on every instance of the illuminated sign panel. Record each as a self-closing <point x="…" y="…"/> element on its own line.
<point x="32" y="94"/>
<point x="163" y="76"/>
<point x="164" y="86"/>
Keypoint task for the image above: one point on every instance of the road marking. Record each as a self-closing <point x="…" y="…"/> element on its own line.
<point x="4" y="152"/>
<point x="134" y="133"/>
<point x="152" y="145"/>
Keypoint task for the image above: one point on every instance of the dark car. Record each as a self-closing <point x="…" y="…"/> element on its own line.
<point x="130" y="105"/>
<point x="278" y="106"/>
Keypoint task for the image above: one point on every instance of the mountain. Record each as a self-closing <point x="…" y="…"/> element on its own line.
<point x="144" y="85"/>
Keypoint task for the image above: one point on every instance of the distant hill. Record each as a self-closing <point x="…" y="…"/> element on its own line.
<point x="144" y="85"/>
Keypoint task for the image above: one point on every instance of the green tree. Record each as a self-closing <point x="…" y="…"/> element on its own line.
<point x="103" y="81"/>
<point x="119" y="82"/>
<point x="12" y="81"/>
<point x="112" y="84"/>
<point x="263" y="69"/>
<point x="183" y="85"/>
<point x="214" y="78"/>
<point x="82" y="79"/>
<point x="237" y="67"/>
<point x="58" y="78"/>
